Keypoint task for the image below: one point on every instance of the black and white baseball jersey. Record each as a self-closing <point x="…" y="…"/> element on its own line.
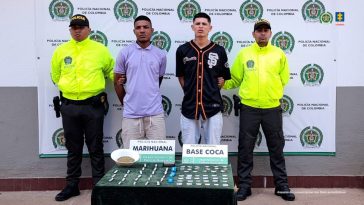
<point x="200" y="68"/>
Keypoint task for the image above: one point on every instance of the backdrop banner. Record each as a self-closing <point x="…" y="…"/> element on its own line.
<point x="303" y="29"/>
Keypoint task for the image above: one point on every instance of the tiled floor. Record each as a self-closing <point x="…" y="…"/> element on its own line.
<point x="260" y="196"/>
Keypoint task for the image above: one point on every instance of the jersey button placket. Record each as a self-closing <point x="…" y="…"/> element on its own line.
<point x="199" y="79"/>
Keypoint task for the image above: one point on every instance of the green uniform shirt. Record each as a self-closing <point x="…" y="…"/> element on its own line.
<point x="79" y="69"/>
<point x="261" y="73"/>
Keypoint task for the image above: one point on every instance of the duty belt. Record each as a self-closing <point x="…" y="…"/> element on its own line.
<point x="87" y="101"/>
<point x="98" y="100"/>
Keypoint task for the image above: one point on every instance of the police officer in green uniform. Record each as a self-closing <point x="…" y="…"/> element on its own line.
<point x="261" y="71"/>
<point x="80" y="68"/>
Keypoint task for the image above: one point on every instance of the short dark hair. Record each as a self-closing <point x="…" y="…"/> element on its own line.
<point x="142" y="18"/>
<point x="202" y="15"/>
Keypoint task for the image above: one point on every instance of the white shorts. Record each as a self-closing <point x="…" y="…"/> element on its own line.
<point x="212" y="129"/>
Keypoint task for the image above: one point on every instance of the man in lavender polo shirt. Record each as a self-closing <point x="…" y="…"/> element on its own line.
<point x="139" y="72"/>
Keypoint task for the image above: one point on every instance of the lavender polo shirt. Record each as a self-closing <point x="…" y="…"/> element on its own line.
<point x="142" y="67"/>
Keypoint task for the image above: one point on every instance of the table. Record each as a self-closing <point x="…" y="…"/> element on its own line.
<point x="153" y="184"/>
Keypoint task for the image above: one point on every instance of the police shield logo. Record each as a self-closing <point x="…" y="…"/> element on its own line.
<point x="161" y="40"/>
<point x="284" y="40"/>
<point x="125" y="10"/>
<point x="67" y="60"/>
<point x="187" y="9"/>
<point x="61" y="10"/>
<point x="228" y="105"/>
<point x="312" y="10"/>
<point x="223" y="39"/>
<point x="311" y="137"/>
<point x="251" y="11"/>
<point x="58" y="139"/>
<point x="119" y="140"/>
<point x="250" y="64"/>
<point x="312" y="75"/>
<point x="167" y="105"/>
<point x="286" y="105"/>
<point x="326" y="18"/>
<point x="98" y="36"/>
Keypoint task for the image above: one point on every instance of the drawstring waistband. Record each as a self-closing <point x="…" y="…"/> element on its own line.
<point x="140" y="125"/>
<point x="150" y="121"/>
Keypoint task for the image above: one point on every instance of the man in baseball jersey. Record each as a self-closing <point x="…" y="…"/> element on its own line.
<point x="201" y="68"/>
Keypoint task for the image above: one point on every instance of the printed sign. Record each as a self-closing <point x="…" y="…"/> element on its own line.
<point x="154" y="150"/>
<point x="204" y="154"/>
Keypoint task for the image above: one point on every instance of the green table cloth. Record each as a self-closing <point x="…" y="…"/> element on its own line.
<point x="154" y="184"/>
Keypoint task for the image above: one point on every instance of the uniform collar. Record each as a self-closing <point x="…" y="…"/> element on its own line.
<point x="80" y="42"/>
<point x="258" y="48"/>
